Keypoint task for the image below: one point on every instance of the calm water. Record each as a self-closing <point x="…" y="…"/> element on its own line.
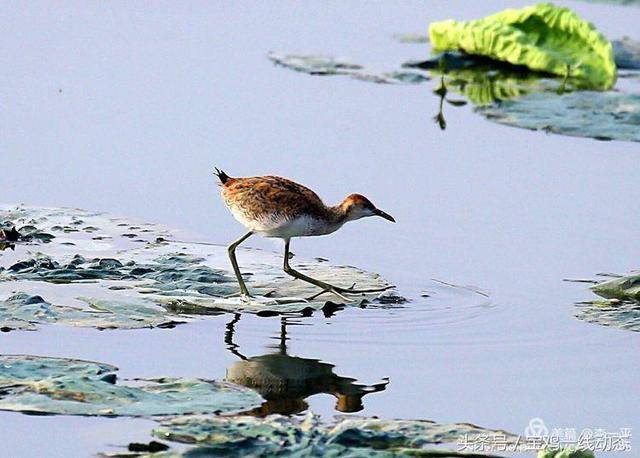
<point x="126" y="108"/>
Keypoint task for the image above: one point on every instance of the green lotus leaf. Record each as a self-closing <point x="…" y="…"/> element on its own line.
<point x="542" y="37"/>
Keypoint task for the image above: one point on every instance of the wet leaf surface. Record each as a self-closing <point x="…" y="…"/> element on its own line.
<point x="327" y="65"/>
<point x="95" y="274"/>
<point x="290" y="436"/>
<point x="34" y="384"/>
<point x="599" y="115"/>
<point x="627" y="53"/>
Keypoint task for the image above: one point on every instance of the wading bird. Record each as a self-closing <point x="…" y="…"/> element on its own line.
<point x="276" y="207"/>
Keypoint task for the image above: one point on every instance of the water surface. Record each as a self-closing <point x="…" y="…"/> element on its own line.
<point x="126" y="108"/>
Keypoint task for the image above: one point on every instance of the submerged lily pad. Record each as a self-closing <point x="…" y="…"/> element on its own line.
<point x="348" y="437"/>
<point x="95" y="274"/>
<point x="627" y="53"/>
<point x="24" y="311"/>
<point x="314" y="64"/>
<point x="35" y="384"/>
<point x="600" y="115"/>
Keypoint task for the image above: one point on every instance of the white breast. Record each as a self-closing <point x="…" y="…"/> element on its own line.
<point x="281" y="226"/>
<point x="303" y="226"/>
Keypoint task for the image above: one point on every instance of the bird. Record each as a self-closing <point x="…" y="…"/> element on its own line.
<point x="276" y="207"/>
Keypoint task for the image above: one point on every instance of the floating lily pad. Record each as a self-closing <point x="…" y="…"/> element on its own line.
<point x="349" y="437"/>
<point x="313" y="64"/>
<point x="624" y="288"/>
<point x="35" y="384"/>
<point x="94" y="274"/>
<point x="620" y="306"/>
<point x="24" y="311"/>
<point x="9" y="233"/>
<point x="627" y="53"/>
<point x="411" y="37"/>
<point x="600" y="115"/>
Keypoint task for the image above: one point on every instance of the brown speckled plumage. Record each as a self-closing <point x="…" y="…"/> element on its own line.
<point x="272" y="197"/>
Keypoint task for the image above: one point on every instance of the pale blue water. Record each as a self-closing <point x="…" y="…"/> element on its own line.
<point x="126" y="108"/>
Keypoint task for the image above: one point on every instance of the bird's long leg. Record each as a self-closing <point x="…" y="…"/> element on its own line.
<point x="329" y="288"/>
<point x="234" y="263"/>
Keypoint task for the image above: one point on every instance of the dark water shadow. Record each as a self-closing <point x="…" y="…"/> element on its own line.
<point x="286" y="381"/>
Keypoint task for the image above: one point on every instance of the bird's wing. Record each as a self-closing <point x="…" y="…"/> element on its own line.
<point x="268" y="196"/>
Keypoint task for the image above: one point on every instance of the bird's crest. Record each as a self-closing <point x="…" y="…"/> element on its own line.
<point x="221" y="175"/>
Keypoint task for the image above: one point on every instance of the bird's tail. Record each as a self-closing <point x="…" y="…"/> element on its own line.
<point x="221" y="175"/>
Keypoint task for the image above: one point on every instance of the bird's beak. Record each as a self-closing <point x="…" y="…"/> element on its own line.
<point x="386" y="216"/>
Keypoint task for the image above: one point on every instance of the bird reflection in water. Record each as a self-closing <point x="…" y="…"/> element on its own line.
<point x="286" y="381"/>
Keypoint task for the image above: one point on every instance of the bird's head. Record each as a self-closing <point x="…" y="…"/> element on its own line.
<point x="357" y="206"/>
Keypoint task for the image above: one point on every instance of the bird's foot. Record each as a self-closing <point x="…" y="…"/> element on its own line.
<point x="331" y="290"/>
<point x="246" y="297"/>
<point x="342" y="293"/>
<point x="351" y="289"/>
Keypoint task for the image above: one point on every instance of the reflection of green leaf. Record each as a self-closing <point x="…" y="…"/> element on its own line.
<point x="484" y="85"/>
<point x="542" y="37"/>
<point x="74" y="387"/>
<point x="615" y="313"/>
<point x="507" y="95"/>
